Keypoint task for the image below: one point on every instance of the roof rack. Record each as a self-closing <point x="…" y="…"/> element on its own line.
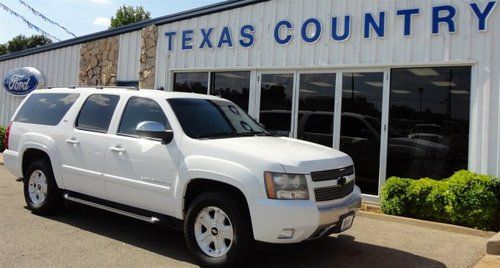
<point x="98" y="87"/>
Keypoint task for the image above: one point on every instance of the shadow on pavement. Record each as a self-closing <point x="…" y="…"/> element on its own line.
<point x="338" y="251"/>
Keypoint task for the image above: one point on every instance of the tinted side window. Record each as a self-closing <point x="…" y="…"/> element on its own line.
<point x="139" y="110"/>
<point x="97" y="112"/>
<point x="45" y="108"/>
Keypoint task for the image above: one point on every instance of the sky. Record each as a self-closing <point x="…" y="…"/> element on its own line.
<point x="80" y="17"/>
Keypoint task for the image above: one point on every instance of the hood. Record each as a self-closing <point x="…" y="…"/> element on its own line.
<point x="294" y="155"/>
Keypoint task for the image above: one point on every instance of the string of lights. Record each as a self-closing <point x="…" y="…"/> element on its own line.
<point x="30" y="25"/>
<point x="36" y="12"/>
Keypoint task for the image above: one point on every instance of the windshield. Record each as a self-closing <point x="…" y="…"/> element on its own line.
<point x="202" y="118"/>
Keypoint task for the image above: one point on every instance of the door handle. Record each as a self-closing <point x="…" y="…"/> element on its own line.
<point x="118" y="149"/>
<point x="73" y="141"/>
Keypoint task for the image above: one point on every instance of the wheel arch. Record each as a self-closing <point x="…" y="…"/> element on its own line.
<point x="35" y="151"/>
<point x="198" y="186"/>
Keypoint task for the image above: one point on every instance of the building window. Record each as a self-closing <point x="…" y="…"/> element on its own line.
<point x="191" y="82"/>
<point x="316" y="102"/>
<point x="429" y="121"/>
<point x="234" y="86"/>
<point x="128" y="83"/>
<point x="276" y="103"/>
<point x="360" y="126"/>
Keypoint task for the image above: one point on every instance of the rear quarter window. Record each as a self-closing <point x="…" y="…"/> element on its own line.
<point x="45" y="108"/>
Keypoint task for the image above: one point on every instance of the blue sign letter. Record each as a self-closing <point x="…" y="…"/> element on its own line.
<point x="407" y="14"/>
<point x="170" y="38"/>
<point x="378" y="28"/>
<point x="317" y="31"/>
<point x="225" y="38"/>
<point x="206" y="38"/>
<point x="448" y="19"/>
<point x="277" y="29"/>
<point x="247" y="38"/>
<point x="482" y="16"/>
<point x="347" y="27"/>
<point x="187" y="38"/>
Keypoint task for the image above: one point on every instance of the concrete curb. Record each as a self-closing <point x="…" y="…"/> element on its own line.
<point x="493" y="245"/>
<point x="1" y="159"/>
<point x="427" y="224"/>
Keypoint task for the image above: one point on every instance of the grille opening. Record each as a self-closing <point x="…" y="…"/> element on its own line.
<point x="333" y="192"/>
<point x="332" y="174"/>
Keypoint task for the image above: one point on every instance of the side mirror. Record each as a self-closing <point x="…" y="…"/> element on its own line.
<point x="154" y="130"/>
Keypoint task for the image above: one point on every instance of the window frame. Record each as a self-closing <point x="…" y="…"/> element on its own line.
<point x="75" y="123"/>
<point x="117" y="133"/>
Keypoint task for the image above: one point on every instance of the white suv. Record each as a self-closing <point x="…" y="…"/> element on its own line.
<point x="195" y="162"/>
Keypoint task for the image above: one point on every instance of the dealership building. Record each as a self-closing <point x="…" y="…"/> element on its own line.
<point x="407" y="88"/>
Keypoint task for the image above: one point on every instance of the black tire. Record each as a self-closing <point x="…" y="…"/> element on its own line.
<point x="243" y="242"/>
<point x="54" y="200"/>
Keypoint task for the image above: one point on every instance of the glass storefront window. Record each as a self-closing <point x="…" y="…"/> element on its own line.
<point x="276" y="103"/>
<point x="316" y="102"/>
<point x="360" y="126"/>
<point x="429" y="121"/>
<point x="233" y="86"/>
<point x="191" y="82"/>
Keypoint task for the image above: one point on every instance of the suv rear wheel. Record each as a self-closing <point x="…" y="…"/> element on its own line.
<point x="40" y="189"/>
<point x="217" y="230"/>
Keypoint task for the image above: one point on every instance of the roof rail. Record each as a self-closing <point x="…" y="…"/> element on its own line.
<point x="98" y="87"/>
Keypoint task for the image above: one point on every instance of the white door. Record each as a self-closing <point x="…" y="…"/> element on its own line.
<point x="85" y="145"/>
<point x="141" y="172"/>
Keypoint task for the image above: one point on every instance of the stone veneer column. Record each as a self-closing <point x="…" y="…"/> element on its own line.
<point x="98" y="62"/>
<point x="149" y="37"/>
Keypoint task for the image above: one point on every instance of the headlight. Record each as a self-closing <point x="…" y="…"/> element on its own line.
<point x="286" y="186"/>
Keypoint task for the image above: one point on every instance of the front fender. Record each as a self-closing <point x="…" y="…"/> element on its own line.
<point x="220" y="170"/>
<point x="47" y="145"/>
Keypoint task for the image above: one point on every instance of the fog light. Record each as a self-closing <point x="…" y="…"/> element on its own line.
<point x="286" y="234"/>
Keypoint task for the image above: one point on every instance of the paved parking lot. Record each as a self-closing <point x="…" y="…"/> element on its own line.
<point x="86" y="237"/>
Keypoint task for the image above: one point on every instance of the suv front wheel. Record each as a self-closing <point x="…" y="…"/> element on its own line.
<point x="217" y="230"/>
<point x="40" y="189"/>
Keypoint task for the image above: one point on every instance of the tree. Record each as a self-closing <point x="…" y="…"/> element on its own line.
<point x="3" y="49"/>
<point x="128" y="14"/>
<point x="22" y="42"/>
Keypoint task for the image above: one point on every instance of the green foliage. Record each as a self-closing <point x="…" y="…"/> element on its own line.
<point x="22" y="42"/>
<point x="128" y="14"/>
<point x="466" y="199"/>
<point x="2" y="137"/>
<point x="3" y="49"/>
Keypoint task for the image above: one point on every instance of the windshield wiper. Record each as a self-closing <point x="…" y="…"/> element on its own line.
<point x="218" y="135"/>
<point x="257" y="133"/>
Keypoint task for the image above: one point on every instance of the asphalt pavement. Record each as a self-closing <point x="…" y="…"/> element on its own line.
<point x="86" y="237"/>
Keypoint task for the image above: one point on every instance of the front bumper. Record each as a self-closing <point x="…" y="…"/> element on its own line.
<point x="271" y="218"/>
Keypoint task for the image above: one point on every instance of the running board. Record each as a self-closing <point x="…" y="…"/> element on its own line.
<point x="67" y="196"/>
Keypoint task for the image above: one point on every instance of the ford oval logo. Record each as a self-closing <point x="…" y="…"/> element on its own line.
<point x="22" y="81"/>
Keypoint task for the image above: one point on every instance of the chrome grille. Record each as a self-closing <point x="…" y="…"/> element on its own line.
<point x="333" y="192"/>
<point x="332" y="174"/>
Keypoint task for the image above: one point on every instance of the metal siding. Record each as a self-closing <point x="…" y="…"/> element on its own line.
<point x="421" y="48"/>
<point x="129" y="54"/>
<point x="60" y="67"/>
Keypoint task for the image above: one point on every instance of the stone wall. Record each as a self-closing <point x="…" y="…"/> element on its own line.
<point x="98" y="62"/>
<point x="149" y="36"/>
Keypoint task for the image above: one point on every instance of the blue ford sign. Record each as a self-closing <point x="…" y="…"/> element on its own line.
<point x="22" y="81"/>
